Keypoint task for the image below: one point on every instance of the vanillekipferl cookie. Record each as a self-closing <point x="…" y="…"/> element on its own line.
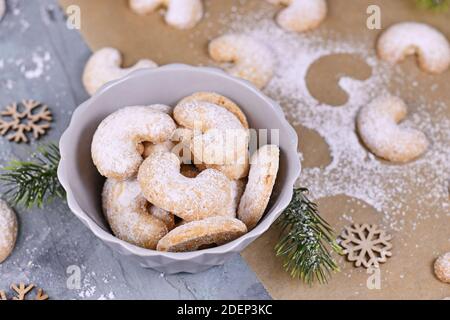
<point x="301" y="15"/>
<point x="220" y="141"/>
<point x="378" y="127"/>
<point x="127" y="212"/>
<point x="442" y="267"/>
<point x="252" y="60"/>
<point x="105" y="65"/>
<point x="116" y="146"/>
<point x="219" y="100"/>
<point x="261" y="179"/>
<point x="181" y="14"/>
<point x="189" y="198"/>
<point x="202" y="234"/>
<point x="412" y="38"/>
<point x="8" y="230"/>
<point x="237" y="189"/>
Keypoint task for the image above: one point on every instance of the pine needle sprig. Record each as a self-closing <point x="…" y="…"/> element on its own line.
<point x="35" y="182"/>
<point x="305" y="240"/>
<point x="434" y="5"/>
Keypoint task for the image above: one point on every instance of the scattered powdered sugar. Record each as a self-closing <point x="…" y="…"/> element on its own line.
<point x="92" y="284"/>
<point x="33" y="66"/>
<point x="39" y="65"/>
<point x="354" y="171"/>
<point x="109" y="296"/>
<point x="88" y="284"/>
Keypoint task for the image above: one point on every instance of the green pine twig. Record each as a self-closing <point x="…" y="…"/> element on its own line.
<point x="305" y="241"/>
<point x="35" y="182"/>
<point x="434" y="5"/>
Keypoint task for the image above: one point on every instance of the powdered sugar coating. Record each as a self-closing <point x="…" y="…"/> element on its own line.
<point x="252" y="59"/>
<point x="127" y="213"/>
<point x="222" y="142"/>
<point x="161" y="108"/>
<point x="150" y="148"/>
<point x="184" y="137"/>
<point x="407" y="38"/>
<point x="442" y="267"/>
<point x="219" y="100"/>
<point x="116" y="146"/>
<point x="189" y="198"/>
<point x="147" y="147"/>
<point x="197" y="235"/>
<point x="261" y="179"/>
<point x="378" y="127"/>
<point x="237" y="189"/>
<point x="232" y="171"/>
<point x="301" y="15"/>
<point x="105" y="65"/>
<point x="182" y="14"/>
<point x="8" y="230"/>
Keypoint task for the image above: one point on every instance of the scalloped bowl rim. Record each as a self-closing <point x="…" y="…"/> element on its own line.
<point x="262" y="227"/>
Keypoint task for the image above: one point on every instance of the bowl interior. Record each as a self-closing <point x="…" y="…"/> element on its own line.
<point x="168" y="86"/>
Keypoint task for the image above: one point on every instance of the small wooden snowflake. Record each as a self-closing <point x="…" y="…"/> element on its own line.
<point x="23" y="118"/>
<point x="366" y="245"/>
<point x="21" y="292"/>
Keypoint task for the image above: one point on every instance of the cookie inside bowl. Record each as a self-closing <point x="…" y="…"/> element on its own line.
<point x="169" y="85"/>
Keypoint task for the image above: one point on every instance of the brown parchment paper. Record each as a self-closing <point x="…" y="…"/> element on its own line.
<point x="409" y="273"/>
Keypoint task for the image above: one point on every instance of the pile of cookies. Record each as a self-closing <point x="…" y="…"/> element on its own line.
<point x="182" y="179"/>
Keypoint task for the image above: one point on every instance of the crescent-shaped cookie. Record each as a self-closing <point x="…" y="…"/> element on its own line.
<point x="8" y="230"/>
<point x="252" y="60"/>
<point x="261" y="179"/>
<point x="127" y="213"/>
<point x="408" y="38"/>
<point x="442" y="267"/>
<point x="301" y="15"/>
<point x="378" y="127"/>
<point x="189" y="198"/>
<point x="105" y="65"/>
<point x="220" y="141"/>
<point x="116" y="146"/>
<point x="219" y="100"/>
<point x="197" y="235"/>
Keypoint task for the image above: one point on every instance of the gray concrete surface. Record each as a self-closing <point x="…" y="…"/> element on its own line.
<point x="43" y="60"/>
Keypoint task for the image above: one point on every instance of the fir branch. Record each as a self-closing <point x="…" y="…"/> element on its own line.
<point x="305" y="240"/>
<point x="35" y="182"/>
<point x="435" y="5"/>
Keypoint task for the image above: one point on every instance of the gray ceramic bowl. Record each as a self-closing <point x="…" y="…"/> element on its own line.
<point x="168" y="84"/>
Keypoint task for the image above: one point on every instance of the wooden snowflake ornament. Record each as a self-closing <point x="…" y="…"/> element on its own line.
<point x="21" y="292"/>
<point x="366" y="245"/>
<point x="25" y="117"/>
